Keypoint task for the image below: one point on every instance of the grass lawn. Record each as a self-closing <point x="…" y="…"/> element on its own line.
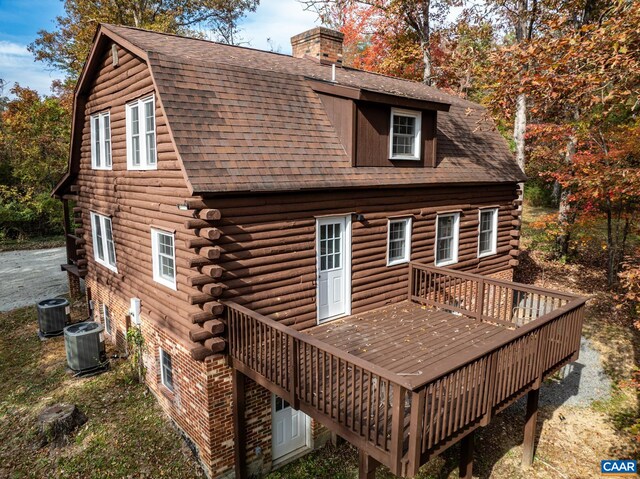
<point x="126" y="435"/>
<point x="31" y="243"/>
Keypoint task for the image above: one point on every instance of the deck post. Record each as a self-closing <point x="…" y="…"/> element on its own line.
<point x="367" y="465"/>
<point x="480" y="300"/>
<point x="418" y="400"/>
<point x="239" y="424"/>
<point x="336" y="440"/>
<point x="410" y="282"/>
<point x="466" y="457"/>
<point x="528" y="447"/>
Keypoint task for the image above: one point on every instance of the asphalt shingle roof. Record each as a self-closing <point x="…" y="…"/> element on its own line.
<point x="248" y="120"/>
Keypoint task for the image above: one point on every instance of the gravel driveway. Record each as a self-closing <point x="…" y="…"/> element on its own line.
<point x="583" y="381"/>
<point x="27" y="277"/>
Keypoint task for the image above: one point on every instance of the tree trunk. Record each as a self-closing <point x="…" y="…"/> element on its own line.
<point x="611" y="254"/>
<point x="519" y="129"/>
<point x="565" y="219"/>
<point x="421" y="22"/>
<point x="426" y="57"/>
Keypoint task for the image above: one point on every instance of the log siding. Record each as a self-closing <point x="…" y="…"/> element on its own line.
<point x="136" y="201"/>
<point x="268" y="253"/>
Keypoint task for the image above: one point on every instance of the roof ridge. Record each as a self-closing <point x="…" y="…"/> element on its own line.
<point x="185" y="37"/>
<point x="435" y="90"/>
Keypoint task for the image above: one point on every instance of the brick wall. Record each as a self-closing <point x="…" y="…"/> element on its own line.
<point x="505" y="275"/>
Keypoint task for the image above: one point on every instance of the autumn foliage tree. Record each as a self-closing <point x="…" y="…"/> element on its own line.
<point x="376" y="43"/>
<point x="396" y="33"/>
<point x="67" y="46"/>
<point x="34" y="132"/>
<point x="587" y="79"/>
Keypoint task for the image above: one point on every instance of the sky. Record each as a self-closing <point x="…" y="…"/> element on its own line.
<point x="20" y="21"/>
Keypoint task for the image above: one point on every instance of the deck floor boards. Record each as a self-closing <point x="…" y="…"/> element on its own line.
<point x="405" y="337"/>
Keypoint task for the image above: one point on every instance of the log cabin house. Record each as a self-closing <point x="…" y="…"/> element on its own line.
<point x="309" y="249"/>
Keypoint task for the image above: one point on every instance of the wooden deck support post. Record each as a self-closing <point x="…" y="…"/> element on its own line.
<point x="367" y="465"/>
<point x="528" y="447"/>
<point x="336" y="440"/>
<point x="466" y="457"/>
<point x="239" y="424"/>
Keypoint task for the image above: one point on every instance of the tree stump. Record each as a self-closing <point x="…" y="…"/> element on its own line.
<point x="57" y="422"/>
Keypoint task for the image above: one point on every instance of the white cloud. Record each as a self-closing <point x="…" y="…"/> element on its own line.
<point x="17" y="65"/>
<point x="12" y="49"/>
<point x="277" y="20"/>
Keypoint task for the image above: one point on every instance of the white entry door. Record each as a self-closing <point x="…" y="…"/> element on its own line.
<point x="290" y="429"/>
<point x="333" y="267"/>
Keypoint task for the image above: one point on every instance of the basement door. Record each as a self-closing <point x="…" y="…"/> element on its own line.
<point x="290" y="430"/>
<point x="333" y="237"/>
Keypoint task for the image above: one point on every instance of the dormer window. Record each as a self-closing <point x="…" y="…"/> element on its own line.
<point x="405" y="134"/>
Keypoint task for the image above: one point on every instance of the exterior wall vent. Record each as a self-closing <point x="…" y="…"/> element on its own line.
<point x="84" y="343"/>
<point x="53" y="316"/>
<point x="134" y="311"/>
<point x="114" y="55"/>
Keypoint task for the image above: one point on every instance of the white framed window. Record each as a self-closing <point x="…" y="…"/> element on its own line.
<point x="447" y="234"/>
<point x="164" y="257"/>
<point x="141" y="134"/>
<point x="104" y="249"/>
<point x="166" y="370"/>
<point x="106" y="317"/>
<point x="487" y="232"/>
<point x="101" y="141"/>
<point x="404" y="134"/>
<point x="398" y="241"/>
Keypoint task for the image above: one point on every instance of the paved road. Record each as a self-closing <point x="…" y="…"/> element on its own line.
<point x="27" y="277"/>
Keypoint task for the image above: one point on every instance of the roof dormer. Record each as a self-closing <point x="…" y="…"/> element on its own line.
<point x="379" y="129"/>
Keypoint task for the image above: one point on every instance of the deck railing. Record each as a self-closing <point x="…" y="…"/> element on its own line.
<point x="500" y="302"/>
<point x="402" y="421"/>
<point x="357" y="399"/>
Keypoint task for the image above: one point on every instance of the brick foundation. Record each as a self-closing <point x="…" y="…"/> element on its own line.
<point x="504" y="275"/>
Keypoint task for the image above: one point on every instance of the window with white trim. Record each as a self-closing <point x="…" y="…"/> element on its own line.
<point x="447" y="233"/>
<point x="405" y="135"/>
<point x="398" y="241"/>
<point x="104" y="249"/>
<point x="487" y="232"/>
<point x="166" y="370"/>
<point x="106" y="318"/>
<point x="101" y="141"/>
<point x="141" y="134"/>
<point x="164" y="257"/>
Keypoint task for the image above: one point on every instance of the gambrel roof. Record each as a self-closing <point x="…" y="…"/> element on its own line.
<point x="249" y="120"/>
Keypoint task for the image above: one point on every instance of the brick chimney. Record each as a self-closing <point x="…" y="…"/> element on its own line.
<point x="321" y="44"/>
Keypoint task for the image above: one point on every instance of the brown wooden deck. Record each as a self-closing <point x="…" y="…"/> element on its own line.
<point x="407" y="338"/>
<point x="406" y="381"/>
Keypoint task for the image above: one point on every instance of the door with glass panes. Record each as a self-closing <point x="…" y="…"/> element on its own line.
<point x="333" y="267"/>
